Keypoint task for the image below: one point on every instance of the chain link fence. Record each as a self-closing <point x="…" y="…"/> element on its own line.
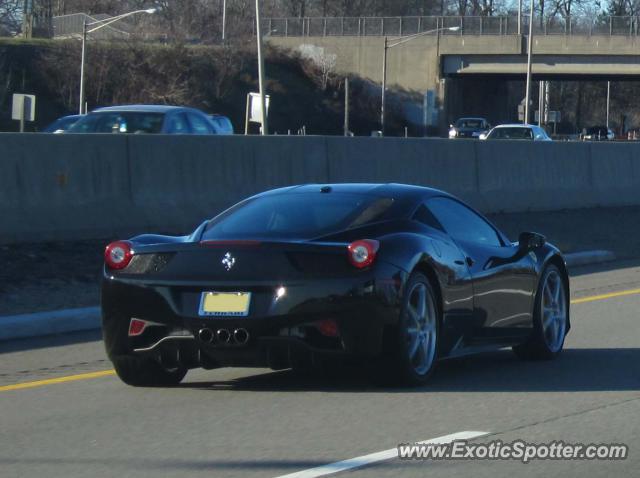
<point x="71" y="26"/>
<point x="467" y="25"/>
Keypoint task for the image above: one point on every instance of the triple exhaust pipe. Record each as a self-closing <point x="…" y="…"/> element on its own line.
<point x="224" y="336"/>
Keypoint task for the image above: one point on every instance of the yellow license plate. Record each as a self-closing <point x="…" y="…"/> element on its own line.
<point x="219" y="304"/>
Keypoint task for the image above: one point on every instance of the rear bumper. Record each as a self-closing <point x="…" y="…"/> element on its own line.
<point x="361" y="306"/>
<point x="273" y="352"/>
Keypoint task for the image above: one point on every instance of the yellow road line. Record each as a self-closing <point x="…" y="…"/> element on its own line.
<point x="593" y="298"/>
<point x="50" y="381"/>
<point x="106" y="373"/>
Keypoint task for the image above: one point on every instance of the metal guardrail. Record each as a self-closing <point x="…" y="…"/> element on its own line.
<point x="468" y="25"/>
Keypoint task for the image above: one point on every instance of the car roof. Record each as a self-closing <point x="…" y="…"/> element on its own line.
<point x="516" y="125"/>
<point x="394" y="190"/>
<point x="478" y="118"/>
<point x="143" y="108"/>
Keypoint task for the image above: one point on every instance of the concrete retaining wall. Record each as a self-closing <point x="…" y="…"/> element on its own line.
<point x="55" y="187"/>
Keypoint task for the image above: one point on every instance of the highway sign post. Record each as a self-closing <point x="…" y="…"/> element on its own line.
<point x="254" y="110"/>
<point x="548" y="117"/>
<point x="522" y="110"/>
<point x="23" y="109"/>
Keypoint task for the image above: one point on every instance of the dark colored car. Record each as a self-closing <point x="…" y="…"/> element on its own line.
<point x="62" y="124"/>
<point x="597" y="133"/>
<point x="221" y="124"/>
<point x="149" y="119"/>
<point x="396" y="276"/>
<point x="469" y="128"/>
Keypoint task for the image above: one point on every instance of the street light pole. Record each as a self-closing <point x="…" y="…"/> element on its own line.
<point x="529" y="48"/>
<point x="224" y="20"/>
<point x="261" y="80"/>
<point x="541" y="89"/>
<point x="346" y="106"/>
<point x="400" y="41"/>
<point x="84" y="43"/>
<point x="100" y="24"/>
<point x="608" y="101"/>
<point x="519" y="17"/>
<point x="384" y="84"/>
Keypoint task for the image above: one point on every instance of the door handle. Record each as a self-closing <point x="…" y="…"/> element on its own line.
<point x="470" y="261"/>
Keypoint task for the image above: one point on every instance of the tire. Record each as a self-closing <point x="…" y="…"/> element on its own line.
<point x="132" y="369"/>
<point x="144" y="372"/>
<point x="413" y="345"/>
<point x="550" y="318"/>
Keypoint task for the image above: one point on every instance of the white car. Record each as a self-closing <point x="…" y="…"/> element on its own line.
<point x="517" y="132"/>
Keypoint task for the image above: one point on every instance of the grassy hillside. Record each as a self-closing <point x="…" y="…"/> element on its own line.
<point x="215" y="79"/>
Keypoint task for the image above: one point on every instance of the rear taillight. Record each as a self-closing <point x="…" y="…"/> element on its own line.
<point x="362" y="253"/>
<point x="118" y="254"/>
<point x="136" y="327"/>
<point x="327" y="327"/>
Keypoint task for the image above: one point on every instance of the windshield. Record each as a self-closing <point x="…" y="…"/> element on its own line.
<point x="61" y="124"/>
<point x="119" y="122"/>
<point x="511" y="133"/>
<point x="296" y="216"/>
<point x="469" y="123"/>
<point x="222" y="124"/>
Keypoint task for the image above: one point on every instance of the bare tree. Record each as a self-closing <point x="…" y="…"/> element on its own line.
<point x="562" y="8"/>
<point x="227" y="64"/>
<point x="624" y="7"/>
<point x="10" y="17"/>
<point x="59" y="66"/>
<point x="323" y="64"/>
<point x="6" y="74"/>
<point x="482" y="7"/>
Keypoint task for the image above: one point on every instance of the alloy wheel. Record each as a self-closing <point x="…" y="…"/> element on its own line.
<point x="421" y="329"/>
<point x="554" y="311"/>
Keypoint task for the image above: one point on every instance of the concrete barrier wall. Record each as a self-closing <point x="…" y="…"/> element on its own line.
<point x="56" y="187"/>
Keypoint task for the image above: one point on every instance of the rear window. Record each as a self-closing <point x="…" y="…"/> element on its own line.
<point x="511" y="133"/>
<point x="119" y="122"/>
<point x="469" y="123"/>
<point x="297" y="216"/>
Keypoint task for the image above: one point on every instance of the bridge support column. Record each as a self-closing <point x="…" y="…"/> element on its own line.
<point x="451" y="102"/>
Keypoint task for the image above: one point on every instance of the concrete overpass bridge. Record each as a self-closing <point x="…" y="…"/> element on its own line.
<point x="467" y="71"/>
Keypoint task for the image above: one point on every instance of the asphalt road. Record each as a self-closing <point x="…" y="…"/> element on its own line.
<point x="256" y="423"/>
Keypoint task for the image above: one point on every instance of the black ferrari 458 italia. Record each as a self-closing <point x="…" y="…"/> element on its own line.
<point x="394" y="276"/>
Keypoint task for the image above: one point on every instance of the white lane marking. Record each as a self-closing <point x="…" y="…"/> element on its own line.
<point x="364" y="460"/>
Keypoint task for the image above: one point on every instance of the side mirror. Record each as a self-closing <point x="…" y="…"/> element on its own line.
<point x="530" y="241"/>
<point x="483" y="136"/>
